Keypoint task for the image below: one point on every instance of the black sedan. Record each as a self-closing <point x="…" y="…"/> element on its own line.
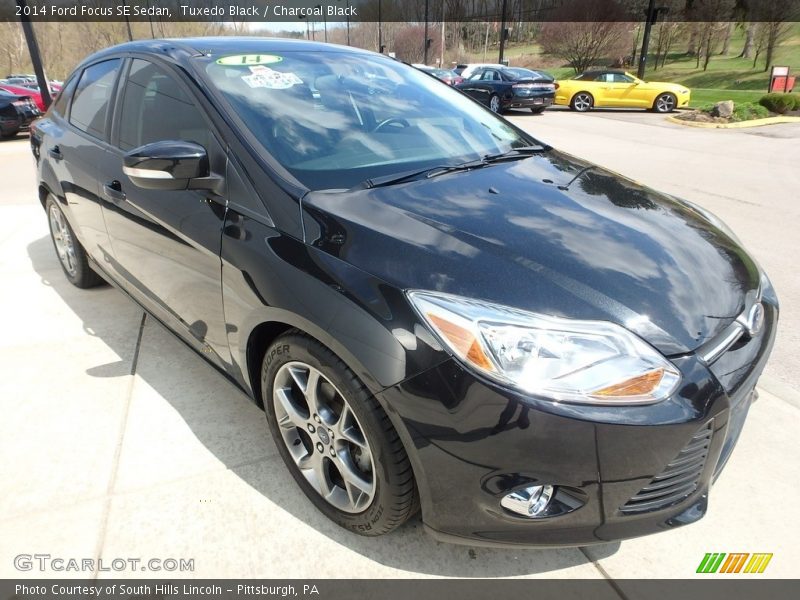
<point x="16" y="113"/>
<point x="501" y="88"/>
<point x="435" y="310"/>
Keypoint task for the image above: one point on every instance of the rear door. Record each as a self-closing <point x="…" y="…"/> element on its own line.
<point x="75" y="141"/>
<point x="481" y="84"/>
<point x="166" y="243"/>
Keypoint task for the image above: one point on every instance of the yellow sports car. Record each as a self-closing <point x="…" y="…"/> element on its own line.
<point x="613" y="88"/>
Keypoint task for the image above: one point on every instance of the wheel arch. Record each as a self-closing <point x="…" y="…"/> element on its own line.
<point x="584" y="91"/>
<point x="662" y="93"/>
<point x="265" y="330"/>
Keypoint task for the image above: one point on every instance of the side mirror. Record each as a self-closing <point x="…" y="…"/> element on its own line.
<point x="169" y="165"/>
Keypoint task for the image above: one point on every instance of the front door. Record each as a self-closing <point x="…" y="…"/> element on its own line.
<point x="166" y="244"/>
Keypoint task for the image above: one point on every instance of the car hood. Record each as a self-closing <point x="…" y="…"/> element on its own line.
<point x="550" y="234"/>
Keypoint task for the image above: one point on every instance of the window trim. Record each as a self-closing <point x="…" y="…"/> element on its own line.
<point x="176" y="76"/>
<point x="111" y="100"/>
<point x="68" y="101"/>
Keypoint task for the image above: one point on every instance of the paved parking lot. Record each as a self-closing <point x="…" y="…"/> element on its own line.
<point x="116" y="441"/>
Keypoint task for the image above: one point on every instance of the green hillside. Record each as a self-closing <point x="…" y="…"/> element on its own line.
<point x="728" y="77"/>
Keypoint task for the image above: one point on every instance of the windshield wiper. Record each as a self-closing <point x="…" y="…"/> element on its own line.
<point x="428" y="172"/>
<point x="515" y="153"/>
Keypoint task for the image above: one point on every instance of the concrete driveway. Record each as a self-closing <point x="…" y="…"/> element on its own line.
<point x="116" y="441"/>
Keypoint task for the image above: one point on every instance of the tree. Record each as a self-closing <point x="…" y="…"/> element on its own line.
<point x="749" y="38"/>
<point x="409" y="43"/>
<point x="584" y="44"/>
<point x="774" y="18"/>
<point x="587" y="34"/>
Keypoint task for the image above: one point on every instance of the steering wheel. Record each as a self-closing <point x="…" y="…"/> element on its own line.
<point x="392" y="121"/>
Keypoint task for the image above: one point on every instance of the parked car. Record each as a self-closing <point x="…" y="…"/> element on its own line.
<point x="449" y="77"/>
<point x="466" y="70"/>
<point x="434" y="308"/>
<point x="19" y="81"/>
<point x="501" y="88"/>
<point x="54" y="86"/>
<point x="608" y="88"/>
<point x="16" y="113"/>
<point x="33" y="93"/>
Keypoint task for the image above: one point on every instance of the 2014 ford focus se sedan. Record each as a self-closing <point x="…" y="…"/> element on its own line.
<point x="436" y="311"/>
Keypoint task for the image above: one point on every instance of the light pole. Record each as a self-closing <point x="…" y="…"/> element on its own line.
<point x="425" y="41"/>
<point x="150" y="18"/>
<point x="347" y="15"/>
<point x="503" y="32"/>
<point x="128" y="24"/>
<point x="324" y="20"/>
<point x="380" y="28"/>
<point x="652" y="17"/>
<point x="36" y="57"/>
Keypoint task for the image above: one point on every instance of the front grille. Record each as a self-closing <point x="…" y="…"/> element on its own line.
<point x="678" y="479"/>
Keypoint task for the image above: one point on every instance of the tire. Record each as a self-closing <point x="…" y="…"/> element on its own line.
<point x="581" y="102"/>
<point x="665" y="103"/>
<point x="71" y="254"/>
<point x="494" y="104"/>
<point x="335" y="433"/>
<point x="537" y="110"/>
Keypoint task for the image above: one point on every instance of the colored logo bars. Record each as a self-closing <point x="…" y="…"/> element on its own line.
<point x="736" y="562"/>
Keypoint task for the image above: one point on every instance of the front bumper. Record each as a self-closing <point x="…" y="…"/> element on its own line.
<point x="471" y="442"/>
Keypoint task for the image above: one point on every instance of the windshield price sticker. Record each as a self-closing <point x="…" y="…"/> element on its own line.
<point x="246" y="60"/>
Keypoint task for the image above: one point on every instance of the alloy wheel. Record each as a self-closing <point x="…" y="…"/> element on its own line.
<point x="665" y="103"/>
<point x="582" y="102"/>
<point x="494" y="104"/>
<point x="62" y="237"/>
<point x="324" y="437"/>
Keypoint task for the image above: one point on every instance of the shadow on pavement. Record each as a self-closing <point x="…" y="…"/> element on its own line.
<point x="225" y="421"/>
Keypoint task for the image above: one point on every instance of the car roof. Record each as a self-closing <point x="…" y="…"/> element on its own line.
<point x="181" y="49"/>
<point x="601" y="71"/>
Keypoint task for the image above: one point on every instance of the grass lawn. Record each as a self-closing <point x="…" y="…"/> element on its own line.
<point x="702" y="97"/>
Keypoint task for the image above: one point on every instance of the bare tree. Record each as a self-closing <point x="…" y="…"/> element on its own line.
<point x="749" y="37"/>
<point x="776" y="17"/>
<point x="708" y="28"/>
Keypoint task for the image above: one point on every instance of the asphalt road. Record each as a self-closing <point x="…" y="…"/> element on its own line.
<point x="116" y="441"/>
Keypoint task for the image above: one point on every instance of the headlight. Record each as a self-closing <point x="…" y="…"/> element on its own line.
<point x="591" y="362"/>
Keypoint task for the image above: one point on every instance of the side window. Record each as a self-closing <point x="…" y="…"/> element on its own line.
<point x="155" y="108"/>
<point x="60" y="105"/>
<point x="622" y="78"/>
<point x="90" y="104"/>
<point x="476" y="75"/>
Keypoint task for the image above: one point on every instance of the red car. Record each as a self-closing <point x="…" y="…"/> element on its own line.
<point x="34" y="93"/>
<point x="449" y="77"/>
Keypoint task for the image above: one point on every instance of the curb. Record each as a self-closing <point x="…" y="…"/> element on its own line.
<point x="739" y="125"/>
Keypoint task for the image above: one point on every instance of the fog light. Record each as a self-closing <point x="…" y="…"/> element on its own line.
<point x="530" y="501"/>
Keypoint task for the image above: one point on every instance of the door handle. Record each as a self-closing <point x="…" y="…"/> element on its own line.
<point x="55" y="153"/>
<point x="113" y="191"/>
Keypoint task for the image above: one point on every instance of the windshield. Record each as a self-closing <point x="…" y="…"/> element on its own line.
<point x="520" y="73"/>
<point x="335" y="119"/>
